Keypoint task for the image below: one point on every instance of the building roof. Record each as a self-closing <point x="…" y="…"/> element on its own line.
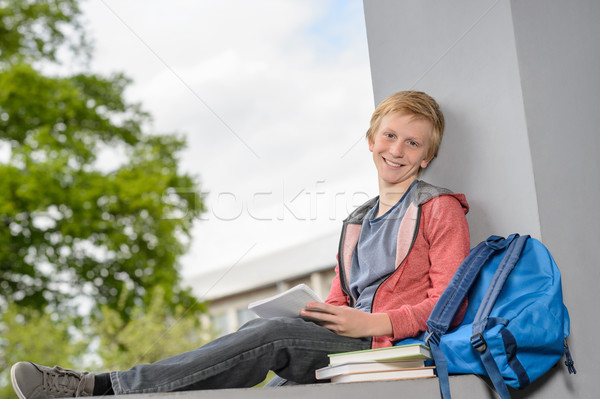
<point x="285" y="264"/>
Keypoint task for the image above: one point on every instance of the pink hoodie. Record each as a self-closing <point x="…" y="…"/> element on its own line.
<point x="433" y="240"/>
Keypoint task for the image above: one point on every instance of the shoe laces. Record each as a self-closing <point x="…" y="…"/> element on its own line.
<point x="65" y="381"/>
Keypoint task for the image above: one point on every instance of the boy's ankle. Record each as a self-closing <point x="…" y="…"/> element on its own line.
<point x="103" y="385"/>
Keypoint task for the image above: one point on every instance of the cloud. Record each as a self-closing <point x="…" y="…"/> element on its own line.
<point x="271" y="95"/>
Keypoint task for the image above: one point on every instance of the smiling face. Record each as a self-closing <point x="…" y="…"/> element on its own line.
<point x="399" y="150"/>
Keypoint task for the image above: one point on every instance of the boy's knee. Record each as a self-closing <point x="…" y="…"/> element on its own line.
<point x="279" y="327"/>
<point x="276" y="323"/>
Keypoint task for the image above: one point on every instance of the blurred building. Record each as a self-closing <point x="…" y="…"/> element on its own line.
<point x="230" y="289"/>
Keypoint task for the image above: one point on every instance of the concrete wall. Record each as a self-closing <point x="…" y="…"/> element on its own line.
<point x="519" y="85"/>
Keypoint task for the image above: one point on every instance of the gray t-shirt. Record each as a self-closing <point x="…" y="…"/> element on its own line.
<point x="374" y="257"/>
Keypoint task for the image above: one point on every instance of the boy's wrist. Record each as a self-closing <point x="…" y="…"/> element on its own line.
<point x="380" y="325"/>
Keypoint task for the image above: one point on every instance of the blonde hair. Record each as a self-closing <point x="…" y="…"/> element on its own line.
<point x="418" y="104"/>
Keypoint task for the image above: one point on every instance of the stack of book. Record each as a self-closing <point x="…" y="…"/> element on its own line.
<point x="393" y="363"/>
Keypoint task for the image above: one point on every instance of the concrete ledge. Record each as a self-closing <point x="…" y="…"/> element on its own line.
<point x="468" y="386"/>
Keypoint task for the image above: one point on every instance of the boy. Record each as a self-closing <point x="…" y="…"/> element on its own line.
<point x="397" y="253"/>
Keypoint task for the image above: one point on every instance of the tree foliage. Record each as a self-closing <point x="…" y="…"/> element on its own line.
<point x="149" y="336"/>
<point x="94" y="210"/>
<point x="73" y="226"/>
<point x="36" y="29"/>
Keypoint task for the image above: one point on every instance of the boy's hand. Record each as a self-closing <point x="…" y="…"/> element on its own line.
<point x="347" y="321"/>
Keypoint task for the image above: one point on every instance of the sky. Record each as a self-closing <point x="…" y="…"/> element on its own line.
<point x="273" y="98"/>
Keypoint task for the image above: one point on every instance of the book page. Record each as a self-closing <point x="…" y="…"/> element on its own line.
<point x="285" y="304"/>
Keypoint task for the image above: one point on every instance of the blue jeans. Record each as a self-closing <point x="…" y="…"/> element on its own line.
<point x="292" y="347"/>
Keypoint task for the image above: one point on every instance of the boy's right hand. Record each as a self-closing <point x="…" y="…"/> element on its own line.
<point x="347" y="321"/>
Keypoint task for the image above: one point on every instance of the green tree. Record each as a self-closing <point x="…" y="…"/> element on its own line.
<point x="73" y="227"/>
<point x="94" y="210"/>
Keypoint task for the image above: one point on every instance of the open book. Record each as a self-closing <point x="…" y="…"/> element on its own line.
<point x="286" y="304"/>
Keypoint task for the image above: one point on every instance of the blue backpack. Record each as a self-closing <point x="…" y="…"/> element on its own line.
<point x="515" y="326"/>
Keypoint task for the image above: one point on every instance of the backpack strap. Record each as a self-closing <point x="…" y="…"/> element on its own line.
<point x="510" y="259"/>
<point x="480" y="322"/>
<point x="569" y="359"/>
<point x="453" y="296"/>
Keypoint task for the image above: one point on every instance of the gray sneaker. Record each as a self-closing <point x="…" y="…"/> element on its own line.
<point x="32" y="381"/>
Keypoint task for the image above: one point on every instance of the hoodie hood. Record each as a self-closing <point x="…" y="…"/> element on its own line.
<point x="424" y="193"/>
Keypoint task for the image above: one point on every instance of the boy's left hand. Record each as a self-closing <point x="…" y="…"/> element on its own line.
<point x="347" y="321"/>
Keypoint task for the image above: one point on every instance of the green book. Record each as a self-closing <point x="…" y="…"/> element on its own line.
<point x="400" y="352"/>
